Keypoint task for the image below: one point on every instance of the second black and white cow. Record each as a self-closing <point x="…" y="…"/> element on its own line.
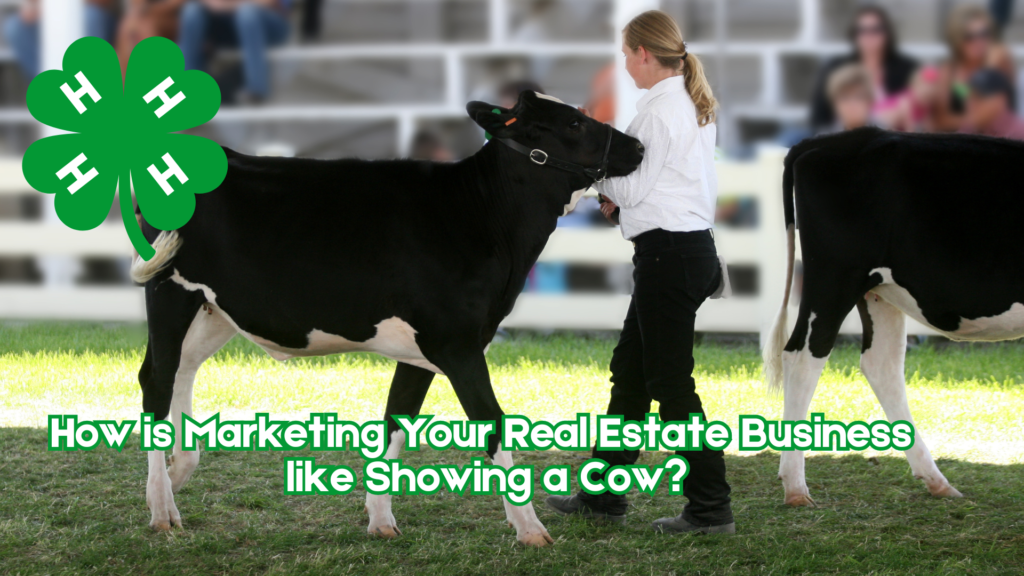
<point x="926" y="226"/>
<point x="417" y="261"/>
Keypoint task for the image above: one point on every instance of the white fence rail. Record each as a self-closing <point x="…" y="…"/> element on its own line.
<point x="763" y="247"/>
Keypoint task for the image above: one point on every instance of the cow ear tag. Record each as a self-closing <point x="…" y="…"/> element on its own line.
<point x="487" y="135"/>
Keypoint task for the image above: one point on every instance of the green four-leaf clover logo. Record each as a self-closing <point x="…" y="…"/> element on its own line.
<point x="123" y="136"/>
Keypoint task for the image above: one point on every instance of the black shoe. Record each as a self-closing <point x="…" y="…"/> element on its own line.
<point x="611" y="508"/>
<point x="678" y="526"/>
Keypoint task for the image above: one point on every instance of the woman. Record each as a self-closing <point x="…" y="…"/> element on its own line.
<point x="873" y="40"/>
<point x="666" y="207"/>
<point x="971" y="35"/>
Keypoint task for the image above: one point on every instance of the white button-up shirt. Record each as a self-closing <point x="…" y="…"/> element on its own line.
<point x="675" y="188"/>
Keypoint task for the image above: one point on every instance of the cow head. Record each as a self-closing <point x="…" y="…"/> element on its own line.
<point x="559" y="137"/>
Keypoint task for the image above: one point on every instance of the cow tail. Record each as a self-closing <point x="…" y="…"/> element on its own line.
<point x="166" y="245"/>
<point x="778" y="336"/>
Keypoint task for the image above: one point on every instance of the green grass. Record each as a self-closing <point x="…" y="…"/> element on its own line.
<point x="85" y="512"/>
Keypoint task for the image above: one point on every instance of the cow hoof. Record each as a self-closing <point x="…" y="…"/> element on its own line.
<point x="165" y="515"/>
<point x="165" y="525"/>
<point x="536" y="539"/>
<point x="800" y="500"/>
<point x="945" y="491"/>
<point x="387" y="532"/>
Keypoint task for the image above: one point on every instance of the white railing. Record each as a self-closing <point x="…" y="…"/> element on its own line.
<point x="763" y="246"/>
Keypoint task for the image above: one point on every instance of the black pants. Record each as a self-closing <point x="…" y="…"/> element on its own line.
<point x="674" y="272"/>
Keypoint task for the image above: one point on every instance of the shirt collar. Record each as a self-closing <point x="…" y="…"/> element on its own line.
<point x="667" y="85"/>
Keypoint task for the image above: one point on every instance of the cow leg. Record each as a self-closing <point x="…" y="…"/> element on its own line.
<point x="408" y="389"/>
<point x="802" y="362"/>
<point x="801" y="371"/>
<point x="208" y="333"/>
<point x="472" y="384"/>
<point x="172" y="312"/>
<point x="882" y="362"/>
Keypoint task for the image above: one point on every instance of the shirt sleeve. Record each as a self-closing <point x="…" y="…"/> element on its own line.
<point x="628" y="191"/>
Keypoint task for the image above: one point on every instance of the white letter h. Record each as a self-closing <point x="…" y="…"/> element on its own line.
<point x="172" y="170"/>
<point x="76" y="96"/>
<point x="72" y="168"/>
<point x="168" y="101"/>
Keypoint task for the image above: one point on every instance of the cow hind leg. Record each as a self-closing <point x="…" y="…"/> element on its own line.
<point x="181" y="336"/>
<point x="408" y="389"/>
<point x="802" y="363"/>
<point x="472" y="384"/>
<point x="206" y="335"/>
<point x="882" y="362"/>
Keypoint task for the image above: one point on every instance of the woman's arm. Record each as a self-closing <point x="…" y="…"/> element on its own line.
<point x="1001" y="59"/>
<point x="943" y="118"/>
<point x="628" y="191"/>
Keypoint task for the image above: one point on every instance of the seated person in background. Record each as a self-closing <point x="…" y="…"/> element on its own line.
<point x="144" y="19"/>
<point x="874" y="45"/>
<point x="973" y="45"/>
<point x="251" y="25"/>
<point x="508" y="94"/>
<point x="22" y="30"/>
<point x="601" y="103"/>
<point x="990" y="106"/>
<point x="913" y="111"/>
<point x="427" y="145"/>
<point x="852" y="96"/>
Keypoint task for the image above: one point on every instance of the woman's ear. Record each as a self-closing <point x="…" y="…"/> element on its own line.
<point x="495" y="120"/>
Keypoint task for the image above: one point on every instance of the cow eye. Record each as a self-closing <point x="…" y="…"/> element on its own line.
<point x="574" y="125"/>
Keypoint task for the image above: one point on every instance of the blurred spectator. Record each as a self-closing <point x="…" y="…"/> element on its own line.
<point x="22" y="30"/>
<point x="970" y="33"/>
<point x="851" y="94"/>
<point x="312" y="20"/>
<point x="914" y="111"/>
<point x="1002" y="13"/>
<point x="508" y="94"/>
<point x="874" y="46"/>
<point x="144" y="19"/>
<point x="427" y="145"/>
<point x="990" y="106"/>
<point x="252" y="25"/>
<point x="601" y="103"/>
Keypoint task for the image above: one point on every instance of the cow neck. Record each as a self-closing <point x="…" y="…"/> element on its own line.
<point x="521" y="202"/>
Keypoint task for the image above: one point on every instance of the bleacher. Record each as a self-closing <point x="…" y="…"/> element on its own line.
<point x="381" y="70"/>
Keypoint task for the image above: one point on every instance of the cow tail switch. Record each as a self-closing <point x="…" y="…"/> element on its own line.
<point x="165" y="247"/>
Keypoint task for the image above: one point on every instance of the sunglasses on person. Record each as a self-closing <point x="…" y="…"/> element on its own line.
<point x="979" y="34"/>
<point x="870" y="30"/>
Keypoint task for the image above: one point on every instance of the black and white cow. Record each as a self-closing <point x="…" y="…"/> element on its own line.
<point x="922" y="225"/>
<point x="416" y="261"/>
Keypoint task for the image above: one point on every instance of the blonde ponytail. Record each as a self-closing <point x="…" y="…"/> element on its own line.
<point x="659" y="34"/>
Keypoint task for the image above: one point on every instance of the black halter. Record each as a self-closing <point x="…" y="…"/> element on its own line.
<point x="538" y="156"/>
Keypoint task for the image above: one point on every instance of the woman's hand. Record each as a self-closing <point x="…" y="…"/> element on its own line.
<point x="608" y="208"/>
